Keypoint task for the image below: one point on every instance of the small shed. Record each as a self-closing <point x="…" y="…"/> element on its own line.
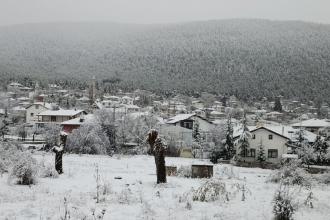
<point x="202" y="171"/>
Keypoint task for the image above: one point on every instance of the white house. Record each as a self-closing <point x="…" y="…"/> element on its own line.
<point x="58" y="116"/>
<point x="34" y="109"/>
<point x="180" y="128"/>
<point x="273" y="139"/>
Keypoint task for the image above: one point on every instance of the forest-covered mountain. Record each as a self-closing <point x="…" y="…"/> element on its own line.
<point x="249" y="58"/>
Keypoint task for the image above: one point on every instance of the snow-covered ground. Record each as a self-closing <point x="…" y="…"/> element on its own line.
<point x="136" y="196"/>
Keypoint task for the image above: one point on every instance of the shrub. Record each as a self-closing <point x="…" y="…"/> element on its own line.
<point x="284" y="206"/>
<point x="215" y="156"/>
<point x="48" y="170"/>
<point x="291" y="174"/>
<point x="211" y="190"/>
<point x="184" y="171"/>
<point x="105" y="188"/>
<point x="228" y="172"/>
<point x="24" y="170"/>
<point x="88" y="139"/>
<point x="323" y="178"/>
<point x="9" y="155"/>
<point x="125" y="196"/>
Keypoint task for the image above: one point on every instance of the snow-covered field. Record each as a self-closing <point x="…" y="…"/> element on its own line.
<point x="136" y="196"/>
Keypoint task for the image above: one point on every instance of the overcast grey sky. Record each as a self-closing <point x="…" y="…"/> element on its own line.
<point x="160" y="11"/>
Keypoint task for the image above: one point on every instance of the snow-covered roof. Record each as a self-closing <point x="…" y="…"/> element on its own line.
<point x="26" y="88"/>
<point x="312" y="123"/>
<point x="23" y="98"/>
<point x="61" y="112"/>
<point x="78" y="121"/>
<point x="45" y="104"/>
<point x="216" y="113"/>
<point x="127" y="97"/>
<point x="18" y="108"/>
<point x="260" y="111"/>
<point x="15" y="84"/>
<point x="53" y="86"/>
<point x="84" y="98"/>
<point x="291" y="156"/>
<point x="274" y="113"/>
<point x="178" y="118"/>
<point x="131" y="106"/>
<point x="135" y="115"/>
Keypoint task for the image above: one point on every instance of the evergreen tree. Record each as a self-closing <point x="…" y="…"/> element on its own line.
<point x="304" y="150"/>
<point x="300" y="140"/>
<point x="320" y="148"/>
<point x="261" y="153"/>
<point x="229" y="145"/>
<point x="196" y="133"/>
<point x="278" y="105"/>
<point x="306" y="153"/>
<point x="4" y="130"/>
<point x="244" y="138"/>
<point x="197" y="139"/>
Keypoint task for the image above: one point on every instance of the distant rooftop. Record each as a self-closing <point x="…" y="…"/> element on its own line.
<point x="178" y="118"/>
<point x="313" y="123"/>
<point x="61" y="112"/>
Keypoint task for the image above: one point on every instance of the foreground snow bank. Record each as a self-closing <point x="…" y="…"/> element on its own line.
<point x="128" y="191"/>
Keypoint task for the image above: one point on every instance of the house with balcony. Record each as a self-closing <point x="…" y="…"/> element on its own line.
<point x="58" y="116"/>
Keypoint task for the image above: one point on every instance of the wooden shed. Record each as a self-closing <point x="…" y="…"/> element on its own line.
<point x="202" y="171"/>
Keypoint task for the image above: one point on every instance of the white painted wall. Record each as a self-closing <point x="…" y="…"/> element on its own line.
<point x="278" y="142"/>
<point x="33" y="111"/>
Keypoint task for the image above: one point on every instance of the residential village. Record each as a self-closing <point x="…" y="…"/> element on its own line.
<point x="191" y="126"/>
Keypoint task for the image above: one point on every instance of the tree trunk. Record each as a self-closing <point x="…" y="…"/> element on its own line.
<point x="58" y="159"/>
<point x="157" y="148"/>
<point x="160" y="167"/>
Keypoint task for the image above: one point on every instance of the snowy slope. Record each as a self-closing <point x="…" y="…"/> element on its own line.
<point x="136" y="196"/>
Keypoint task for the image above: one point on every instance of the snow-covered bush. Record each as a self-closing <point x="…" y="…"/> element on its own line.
<point x="48" y="170"/>
<point x="9" y="155"/>
<point x="211" y="190"/>
<point x="284" y="206"/>
<point x="51" y="134"/>
<point x="184" y="171"/>
<point x="105" y="188"/>
<point x="323" y="178"/>
<point x="88" y="139"/>
<point x="24" y="170"/>
<point x="228" y="172"/>
<point x="125" y="196"/>
<point x="291" y="174"/>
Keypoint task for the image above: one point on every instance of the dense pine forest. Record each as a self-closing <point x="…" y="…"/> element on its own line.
<point x="248" y="58"/>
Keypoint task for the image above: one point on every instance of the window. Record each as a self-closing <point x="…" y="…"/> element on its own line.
<point x="270" y="137"/>
<point x="187" y="124"/>
<point x="31" y="114"/>
<point x="249" y="153"/>
<point x="272" y="153"/>
<point x="52" y="118"/>
<point x="253" y="136"/>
